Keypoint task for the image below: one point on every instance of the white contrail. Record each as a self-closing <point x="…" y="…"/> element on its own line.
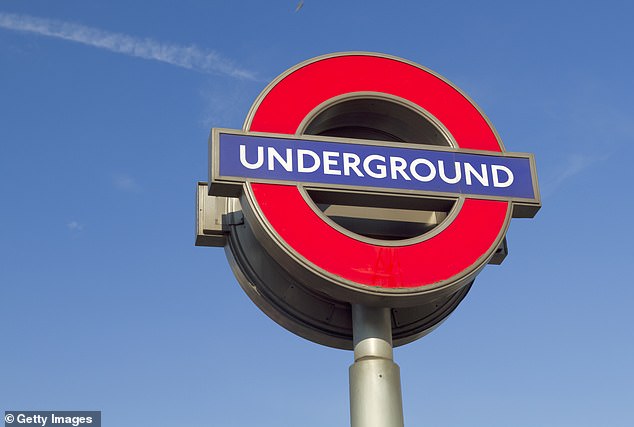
<point x="190" y="57"/>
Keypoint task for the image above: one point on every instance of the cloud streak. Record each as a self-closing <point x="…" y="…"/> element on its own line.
<point x="125" y="183"/>
<point x="571" y="166"/>
<point x="190" y="57"/>
<point x="74" y="226"/>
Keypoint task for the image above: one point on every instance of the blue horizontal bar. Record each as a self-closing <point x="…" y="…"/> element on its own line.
<point x="374" y="166"/>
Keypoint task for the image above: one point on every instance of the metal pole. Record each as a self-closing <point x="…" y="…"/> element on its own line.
<point x="375" y="380"/>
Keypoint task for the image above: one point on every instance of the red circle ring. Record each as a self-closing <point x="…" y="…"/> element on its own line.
<point x="459" y="251"/>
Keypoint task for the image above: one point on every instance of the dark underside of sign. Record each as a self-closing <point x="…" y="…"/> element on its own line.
<point x="315" y="316"/>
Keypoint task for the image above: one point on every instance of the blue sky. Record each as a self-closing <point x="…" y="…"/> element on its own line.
<point x="105" y="110"/>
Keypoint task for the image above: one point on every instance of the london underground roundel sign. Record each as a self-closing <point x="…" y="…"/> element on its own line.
<point x="342" y="153"/>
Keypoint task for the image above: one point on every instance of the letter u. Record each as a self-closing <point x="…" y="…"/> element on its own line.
<point x="443" y="175"/>
<point x="243" y="158"/>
